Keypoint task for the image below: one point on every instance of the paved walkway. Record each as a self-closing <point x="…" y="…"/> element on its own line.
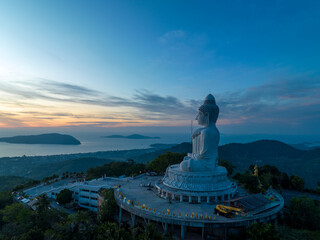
<point x="42" y="188"/>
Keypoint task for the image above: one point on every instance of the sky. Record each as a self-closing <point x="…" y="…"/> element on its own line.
<point x="151" y="63"/>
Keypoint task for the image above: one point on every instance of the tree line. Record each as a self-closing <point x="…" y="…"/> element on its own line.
<point x="301" y="219"/>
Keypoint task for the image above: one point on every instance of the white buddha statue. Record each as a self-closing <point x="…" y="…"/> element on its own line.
<point x="204" y="140"/>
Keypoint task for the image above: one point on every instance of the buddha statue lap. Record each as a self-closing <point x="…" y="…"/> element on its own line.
<point x="204" y="140"/>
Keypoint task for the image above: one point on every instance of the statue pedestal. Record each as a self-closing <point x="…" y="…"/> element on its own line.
<point x="196" y="187"/>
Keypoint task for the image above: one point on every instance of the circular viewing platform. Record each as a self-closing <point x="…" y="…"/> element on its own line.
<point x="138" y="197"/>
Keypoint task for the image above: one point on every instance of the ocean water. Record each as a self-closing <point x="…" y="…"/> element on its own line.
<point x="89" y="143"/>
<point x="93" y="142"/>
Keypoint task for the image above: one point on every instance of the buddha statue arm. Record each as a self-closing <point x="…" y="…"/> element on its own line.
<point x="209" y="144"/>
<point x="205" y="139"/>
<point x="196" y="133"/>
<point x="199" y="149"/>
<point x="195" y="141"/>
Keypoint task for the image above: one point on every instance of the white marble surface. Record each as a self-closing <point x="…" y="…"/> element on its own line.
<point x="216" y="180"/>
<point x="204" y="140"/>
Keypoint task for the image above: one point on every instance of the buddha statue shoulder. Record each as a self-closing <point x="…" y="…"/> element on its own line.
<point x="205" y="140"/>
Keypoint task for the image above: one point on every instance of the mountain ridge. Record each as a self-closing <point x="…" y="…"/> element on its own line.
<point x="303" y="163"/>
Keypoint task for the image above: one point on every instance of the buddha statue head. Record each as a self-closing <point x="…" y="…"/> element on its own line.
<point x="208" y="111"/>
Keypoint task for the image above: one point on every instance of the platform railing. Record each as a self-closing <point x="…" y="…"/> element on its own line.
<point x="136" y="209"/>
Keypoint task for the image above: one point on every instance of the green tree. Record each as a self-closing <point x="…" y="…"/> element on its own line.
<point x="262" y="231"/>
<point x="285" y="181"/>
<point x="287" y="233"/>
<point x="16" y="220"/>
<point x="109" y="207"/>
<point x="252" y="183"/>
<point x="135" y="169"/>
<point x="112" y="231"/>
<point x="131" y="161"/>
<point x="150" y="232"/>
<point x="5" y="199"/>
<point x="16" y="213"/>
<point x="267" y="179"/>
<point x="269" y="169"/>
<point x="26" y="185"/>
<point x="43" y="203"/>
<point x="163" y="161"/>
<point x="297" y="183"/>
<point x="80" y="226"/>
<point x="304" y="213"/>
<point x="115" y="169"/>
<point x="33" y="234"/>
<point x="227" y="165"/>
<point x="64" y="196"/>
<point x="45" y="217"/>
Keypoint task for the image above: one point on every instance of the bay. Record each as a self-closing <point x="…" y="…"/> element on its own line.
<point x="94" y="142"/>
<point x="89" y="143"/>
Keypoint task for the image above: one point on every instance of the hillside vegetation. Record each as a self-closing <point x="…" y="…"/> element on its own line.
<point x="9" y="182"/>
<point x="73" y="165"/>
<point x="116" y="169"/>
<point x="305" y="164"/>
<point x="264" y="152"/>
<point x="301" y="219"/>
<point x="50" y="138"/>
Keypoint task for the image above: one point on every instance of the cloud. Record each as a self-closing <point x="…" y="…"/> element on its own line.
<point x="151" y="102"/>
<point x="44" y="99"/>
<point x="65" y="89"/>
<point x="49" y="89"/>
<point x="291" y="103"/>
<point x="172" y="35"/>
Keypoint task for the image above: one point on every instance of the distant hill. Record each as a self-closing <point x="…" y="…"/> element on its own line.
<point x="312" y="154"/>
<point x="288" y="159"/>
<point x="73" y="165"/>
<point x="133" y="136"/>
<point x="42" y="166"/>
<point x="306" y="145"/>
<point x="50" y="138"/>
<point x="305" y="164"/>
<point x="148" y="157"/>
<point x="260" y="152"/>
<point x="9" y="182"/>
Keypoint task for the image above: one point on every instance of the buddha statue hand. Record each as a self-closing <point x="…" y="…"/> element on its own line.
<point x="196" y="133"/>
<point x="193" y="155"/>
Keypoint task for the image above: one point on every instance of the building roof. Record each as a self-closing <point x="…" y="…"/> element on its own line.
<point x="251" y="202"/>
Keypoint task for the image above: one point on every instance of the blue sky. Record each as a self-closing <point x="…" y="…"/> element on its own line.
<point x="151" y="63"/>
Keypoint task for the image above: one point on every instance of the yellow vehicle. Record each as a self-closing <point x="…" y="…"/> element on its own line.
<point x="228" y="211"/>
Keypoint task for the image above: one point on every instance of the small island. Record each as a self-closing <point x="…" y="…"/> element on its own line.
<point x="49" y="138"/>
<point x="133" y="136"/>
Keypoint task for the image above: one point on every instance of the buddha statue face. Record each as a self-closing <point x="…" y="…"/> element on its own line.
<point x="202" y="118"/>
